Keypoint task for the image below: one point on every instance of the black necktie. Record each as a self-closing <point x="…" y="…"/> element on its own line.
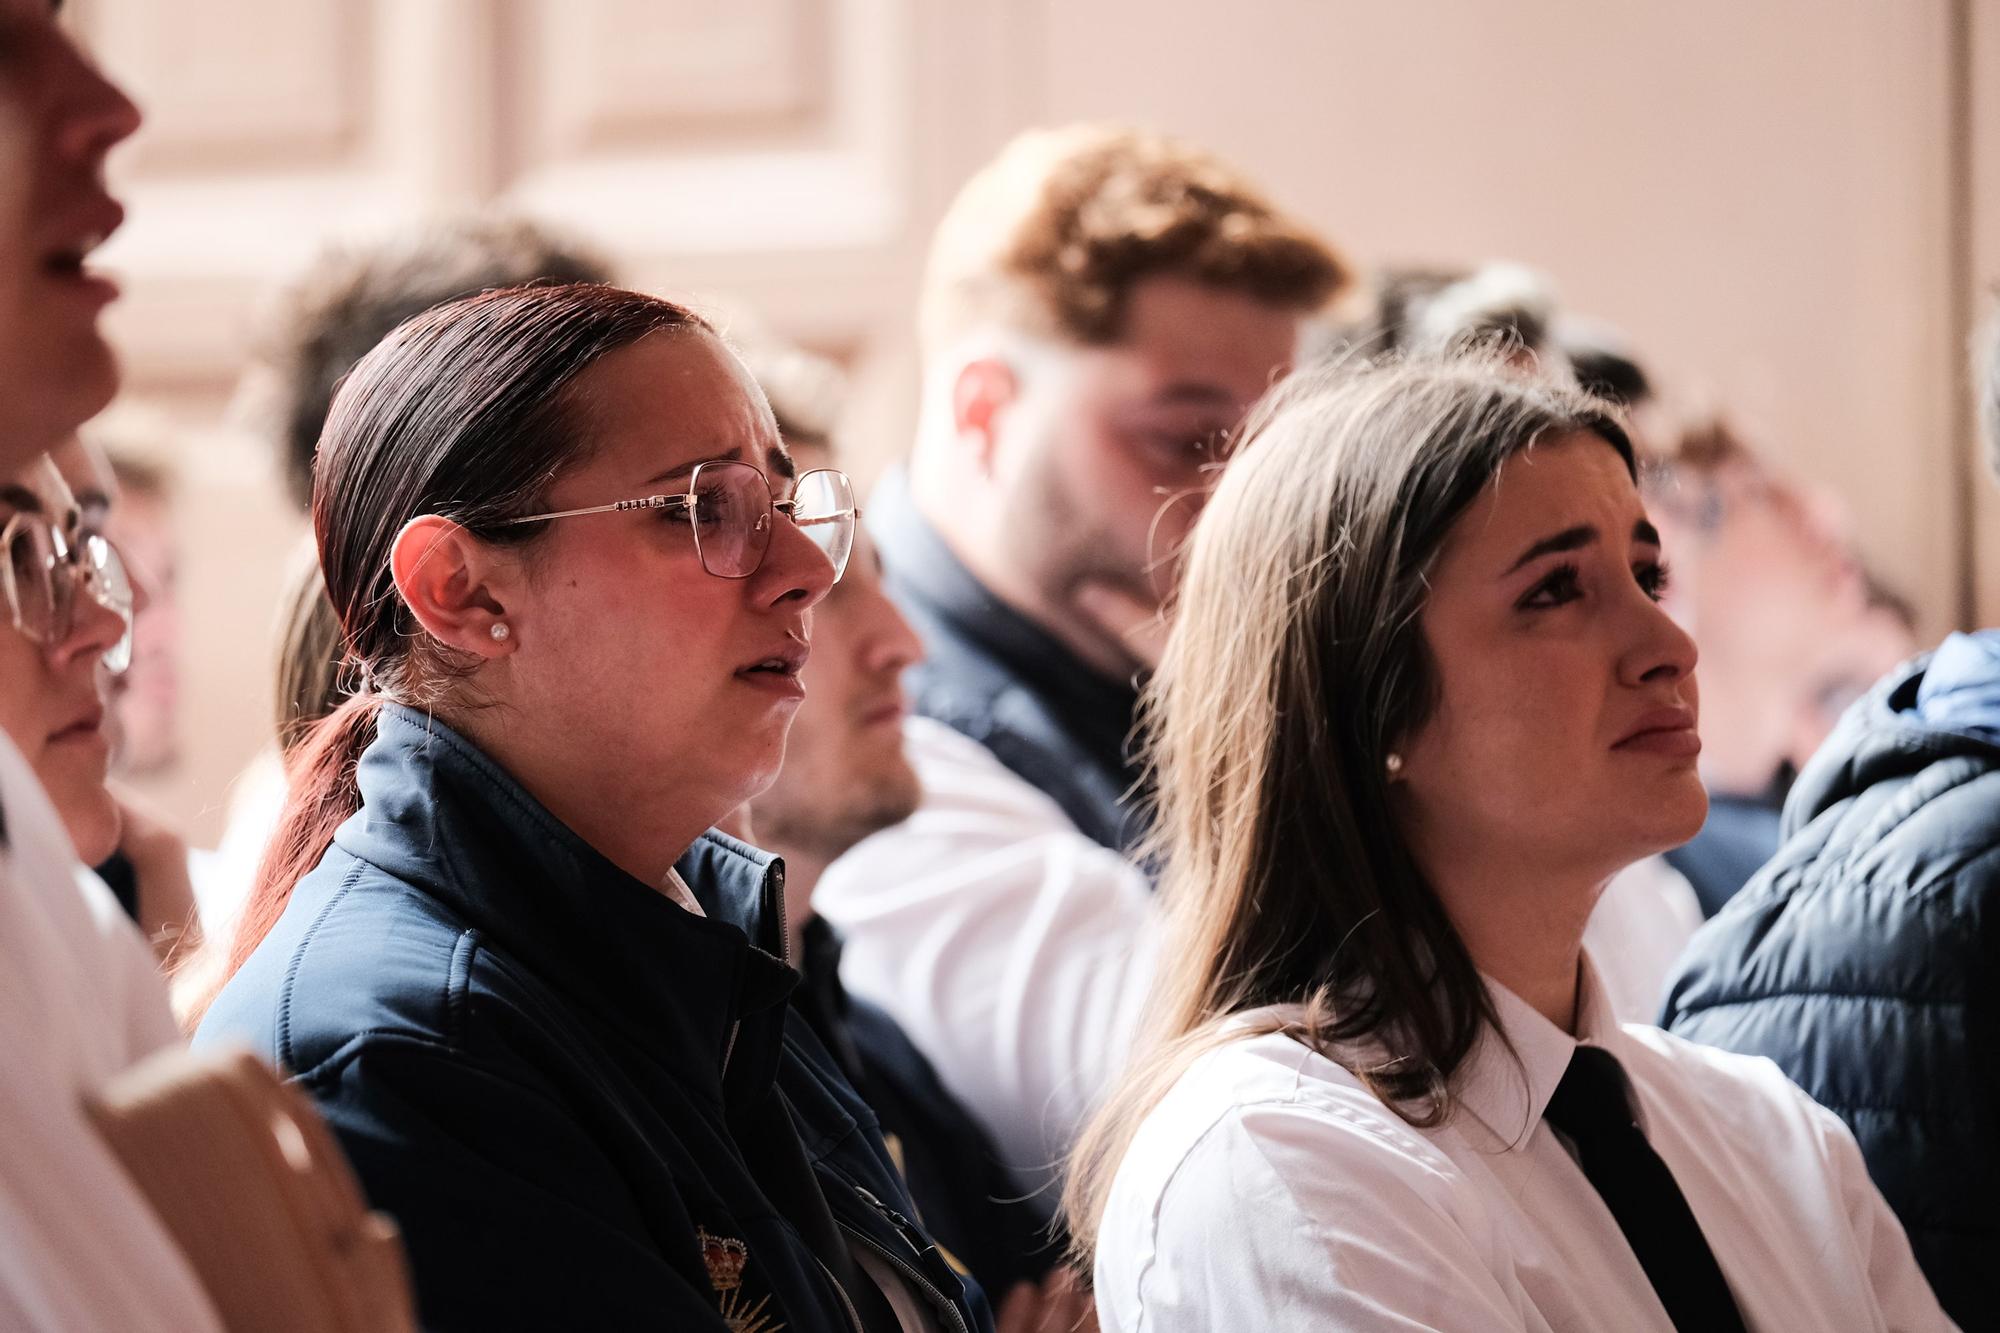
<point x="1592" y="1107"/>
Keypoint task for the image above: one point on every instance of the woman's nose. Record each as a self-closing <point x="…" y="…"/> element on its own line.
<point x="96" y="115"/>
<point x="94" y="630"/>
<point x="1661" y="648"/>
<point x="795" y="569"/>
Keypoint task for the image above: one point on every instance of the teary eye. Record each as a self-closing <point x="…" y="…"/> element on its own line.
<point x="1559" y="586"/>
<point x="1653" y="578"/>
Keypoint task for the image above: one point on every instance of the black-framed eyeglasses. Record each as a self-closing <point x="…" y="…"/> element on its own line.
<point x="729" y="506"/>
<point x="43" y="574"/>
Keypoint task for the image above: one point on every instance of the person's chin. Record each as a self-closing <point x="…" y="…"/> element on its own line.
<point x="94" y="825"/>
<point x="85" y="380"/>
<point x="1677" y="815"/>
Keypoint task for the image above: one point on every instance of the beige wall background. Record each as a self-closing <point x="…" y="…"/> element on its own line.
<point x="1789" y="205"/>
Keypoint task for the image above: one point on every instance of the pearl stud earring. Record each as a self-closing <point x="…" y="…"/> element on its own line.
<point x="500" y="631"/>
<point x="1394" y="764"/>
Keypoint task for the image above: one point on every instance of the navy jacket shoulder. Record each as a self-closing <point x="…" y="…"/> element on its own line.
<point x="584" y="1106"/>
<point x="1864" y="960"/>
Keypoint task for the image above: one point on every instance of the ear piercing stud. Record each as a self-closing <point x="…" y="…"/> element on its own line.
<point x="1394" y="764"/>
<point x="500" y="631"/>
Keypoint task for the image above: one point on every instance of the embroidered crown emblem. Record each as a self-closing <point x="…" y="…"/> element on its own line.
<point x="724" y="1257"/>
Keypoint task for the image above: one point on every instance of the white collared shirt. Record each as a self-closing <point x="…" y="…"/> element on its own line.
<point x="1268" y="1190"/>
<point x="80" y="1000"/>
<point x="1012" y="949"/>
<point x="1018" y="953"/>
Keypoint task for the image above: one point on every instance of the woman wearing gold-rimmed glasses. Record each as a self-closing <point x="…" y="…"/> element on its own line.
<point x="540" y="1001"/>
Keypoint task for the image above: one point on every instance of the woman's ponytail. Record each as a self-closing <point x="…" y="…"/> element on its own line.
<point x="322" y="793"/>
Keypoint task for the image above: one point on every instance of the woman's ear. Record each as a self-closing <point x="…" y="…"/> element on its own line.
<point x="453" y="584"/>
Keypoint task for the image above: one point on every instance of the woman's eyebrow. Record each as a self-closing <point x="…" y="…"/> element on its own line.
<point x="781" y="463"/>
<point x="681" y="470"/>
<point x="20" y="498"/>
<point x="1569" y="539"/>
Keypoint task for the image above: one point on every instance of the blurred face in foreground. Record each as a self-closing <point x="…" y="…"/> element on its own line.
<point x="59" y="118"/>
<point x="1768" y="587"/>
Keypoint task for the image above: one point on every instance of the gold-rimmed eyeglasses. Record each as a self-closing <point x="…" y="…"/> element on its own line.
<point x="730" y="508"/>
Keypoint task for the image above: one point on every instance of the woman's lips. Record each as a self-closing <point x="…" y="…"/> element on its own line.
<point x="83" y="729"/>
<point x="1676" y="742"/>
<point x="1667" y="729"/>
<point x="83" y="281"/>
<point x="783" y="684"/>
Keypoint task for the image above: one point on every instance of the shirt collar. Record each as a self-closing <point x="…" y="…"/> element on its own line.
<point x="1507" y="1090"/>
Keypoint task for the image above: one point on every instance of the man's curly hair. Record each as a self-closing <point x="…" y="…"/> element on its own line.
<point x="352" y="296"/>
<point x="1052" y="235"/>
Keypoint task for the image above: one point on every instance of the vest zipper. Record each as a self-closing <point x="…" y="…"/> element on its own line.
<point x="846" y="1301"/>
<point x="784" y="927"/>
<point x="729" y="1047"/>
<point x="923" y="1284"/>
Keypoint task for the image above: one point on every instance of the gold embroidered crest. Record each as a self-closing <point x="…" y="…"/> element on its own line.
<point x="725" y="1257"/>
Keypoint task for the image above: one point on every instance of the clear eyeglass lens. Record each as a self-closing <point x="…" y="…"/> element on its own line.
<point x="30" y="574"/>
<point x="825" y="510"/>
<point x="109" y="583"/>
<point x="732" y="518"/>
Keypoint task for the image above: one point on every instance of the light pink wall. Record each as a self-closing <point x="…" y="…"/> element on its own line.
<point x="1758" y="193"/>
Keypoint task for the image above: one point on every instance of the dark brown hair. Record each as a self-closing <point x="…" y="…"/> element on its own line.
<point x="353" y="295"/>
<point x="1296" y="666"/>
<point x="312" y="671"/>
<point x="467" y="412"/>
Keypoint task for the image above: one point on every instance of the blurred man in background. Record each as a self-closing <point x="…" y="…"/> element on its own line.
<point x="350" y="297"/>
<point x="845" y="777"/>
<point x="1764" y="577"/>
<point x="1863" y="958"/>
<point x="1100" y="309"/>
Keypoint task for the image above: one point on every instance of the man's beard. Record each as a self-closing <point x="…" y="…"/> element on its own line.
<point x="874" y="804"/>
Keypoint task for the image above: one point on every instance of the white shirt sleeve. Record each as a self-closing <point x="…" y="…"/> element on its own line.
<point x="80" y="1000"/>
<point x="134" y="991"/>
<point x="1290" y="1218"/>
<point x="1015" y="952"/>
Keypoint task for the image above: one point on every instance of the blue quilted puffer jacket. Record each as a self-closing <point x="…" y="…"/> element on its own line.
<point x="1865" y="958"/>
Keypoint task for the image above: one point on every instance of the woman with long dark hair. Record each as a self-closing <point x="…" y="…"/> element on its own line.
<point x="541" y="1003"/>
<point x="1419" y="705"/>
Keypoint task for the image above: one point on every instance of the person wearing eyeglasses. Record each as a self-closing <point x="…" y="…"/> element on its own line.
<point x="145" y="865"/>
<point x="70" y="606"/>
<point x="541" y="1001"/>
